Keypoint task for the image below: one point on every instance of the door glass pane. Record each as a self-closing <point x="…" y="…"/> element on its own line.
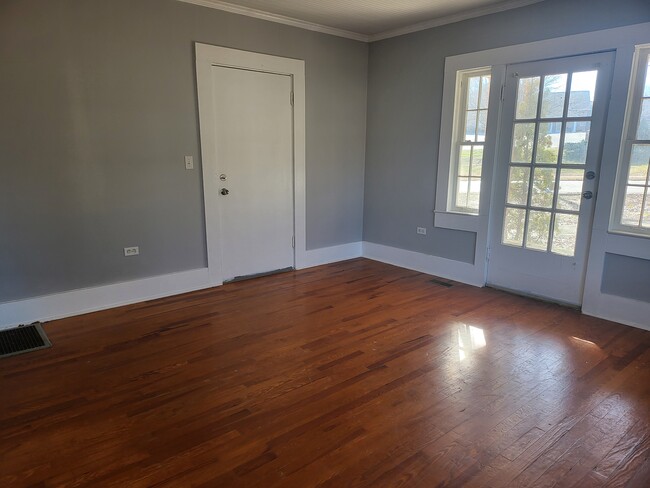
<point x="632" y="205"/>
<point x="583" y="88"/>
<point x="548" y="142"/>
<point x="643" y="131"/>
<point x="576" y="139"/>
<point x="539" y="224"/>
<point x="543" y="187"/>
<point x="554" y="95"/>
<point x="527" y="97"/>
<point x="570" y="191"/>
<point x="513" y="226"/>
<point x="477" y="161"/>
<point x="518" y="180"/>
<point x="639" y="161"/>
<point x="472" y="92"/>
<point x="522" y="143"/>
<point x="465" y="160"/>
<point x="565" y="232"/>
<point x="646" y="89"/>
<point x="470" y="126"/>
<point x="485" y="92"/>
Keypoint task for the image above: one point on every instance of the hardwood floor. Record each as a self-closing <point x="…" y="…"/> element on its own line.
<point x="351" y="374"/>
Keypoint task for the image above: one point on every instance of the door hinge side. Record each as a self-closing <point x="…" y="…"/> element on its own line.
<point x="488" y="253"/>
<point x="503" y="91"/>
<point x="291" y="98"/>
<point x="293" y="241"/>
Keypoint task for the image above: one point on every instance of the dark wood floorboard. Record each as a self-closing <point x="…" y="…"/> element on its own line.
<point x="351" y="374"/>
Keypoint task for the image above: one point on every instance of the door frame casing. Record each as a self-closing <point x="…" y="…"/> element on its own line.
<point x="208" y="56"/>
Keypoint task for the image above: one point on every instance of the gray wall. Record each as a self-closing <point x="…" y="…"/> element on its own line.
<point x="626" y="276"/>
<point x="97" y="110"/>
<point x="405" y="99"/>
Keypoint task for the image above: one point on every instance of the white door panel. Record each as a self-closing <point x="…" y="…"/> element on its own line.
<point x="254" y="153"/>
<point x="546" y="176"/>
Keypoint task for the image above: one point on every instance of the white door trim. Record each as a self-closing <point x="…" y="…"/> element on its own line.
<point x="206" y="57"/>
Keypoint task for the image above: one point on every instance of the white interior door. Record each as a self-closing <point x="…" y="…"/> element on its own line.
<point x="552" y="125"/>
<point x="254" y="156"/>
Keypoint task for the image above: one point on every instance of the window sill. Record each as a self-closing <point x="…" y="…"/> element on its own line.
<point x="457" y="221"/>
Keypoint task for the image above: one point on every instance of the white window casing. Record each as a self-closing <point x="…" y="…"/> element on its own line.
<point x="630" y="212"/>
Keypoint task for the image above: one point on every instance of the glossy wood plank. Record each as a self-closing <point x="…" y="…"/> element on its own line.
<point x="351" y="374"/>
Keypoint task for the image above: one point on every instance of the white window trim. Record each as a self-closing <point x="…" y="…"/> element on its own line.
<point x="632" y="112"/>
<point x="460" y="112"/>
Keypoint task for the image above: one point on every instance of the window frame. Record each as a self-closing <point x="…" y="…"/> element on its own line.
<point x="632" y="116"/>
<point x="457" y="141"/>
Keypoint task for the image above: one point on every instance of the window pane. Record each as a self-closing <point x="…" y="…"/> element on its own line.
<point x="643" y="131"/>
<point x="482" y="124"/>
<point x="472" y="92"/>
<point x="548" y="142"/>
<point x="565" y="232"/>
<point x="645" y="222"/>
<point x="522" y="143"/>
<point x="477" y="161"/>
<point x="464" y="160"/>
<point x="518" y="181"/>
<point x="470" y="126"/>
<point x="570" y="191"/>
<point x="527" y="98"/>
<point x="462" y="192"/>
<point x="513" y="226"/>
<point x="539" y="224"/>
<point x="632" y="205"/>
<point x="485" y="92"/>
<point x="583" y="88"/>
<point x="474" y="193"/>
<point x="553" y="97"/>
<point x="639" y="161"/>
<point x="646" y="89"/>
<point x="576" y="139"/>
<point x="543" y="187"/>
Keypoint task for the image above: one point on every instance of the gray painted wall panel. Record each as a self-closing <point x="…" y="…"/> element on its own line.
<point x="98" y="109"/>
<point x="626" y="276"/>
<point x="404" y="104"/>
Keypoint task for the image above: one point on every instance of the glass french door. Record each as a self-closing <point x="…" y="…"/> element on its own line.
<point x="552" y="125"/>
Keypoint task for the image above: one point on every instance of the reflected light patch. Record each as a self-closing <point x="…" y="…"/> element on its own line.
<point x="470" y="339"/>
<point x="584" y="341"/>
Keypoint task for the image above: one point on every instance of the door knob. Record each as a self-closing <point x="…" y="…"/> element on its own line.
<point x="224" y="191"/>
<point x="587" y="195"/>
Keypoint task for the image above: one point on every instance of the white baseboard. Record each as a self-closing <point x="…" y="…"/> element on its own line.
<point x="77" y="302"/>
<point x="326" y="255"/>
<point x="425" y="263"/>
<point x="618" y="309"/>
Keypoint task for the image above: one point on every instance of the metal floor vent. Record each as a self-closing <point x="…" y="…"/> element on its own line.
<point x="22" y="339"/>
<point x="442" y="283"/>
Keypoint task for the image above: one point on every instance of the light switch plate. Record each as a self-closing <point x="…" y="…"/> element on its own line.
<point x="189" y="162"/>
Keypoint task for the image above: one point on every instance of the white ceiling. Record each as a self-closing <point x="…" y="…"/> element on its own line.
<point x="365" y="20"/>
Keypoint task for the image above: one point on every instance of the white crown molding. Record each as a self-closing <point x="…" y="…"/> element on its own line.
<point x="450" y="19"/>
<point x="280" y="19"/>
<point x="302" y="24"/>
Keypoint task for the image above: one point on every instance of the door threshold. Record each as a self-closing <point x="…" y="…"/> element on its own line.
<point x="259" y="275"/>
<point x="535" y="297"/>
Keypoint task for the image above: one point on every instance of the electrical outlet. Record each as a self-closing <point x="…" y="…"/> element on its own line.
<point x="422" y="231"/>
<point x="189" y="162"/>
<point x="131" y="251"/>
